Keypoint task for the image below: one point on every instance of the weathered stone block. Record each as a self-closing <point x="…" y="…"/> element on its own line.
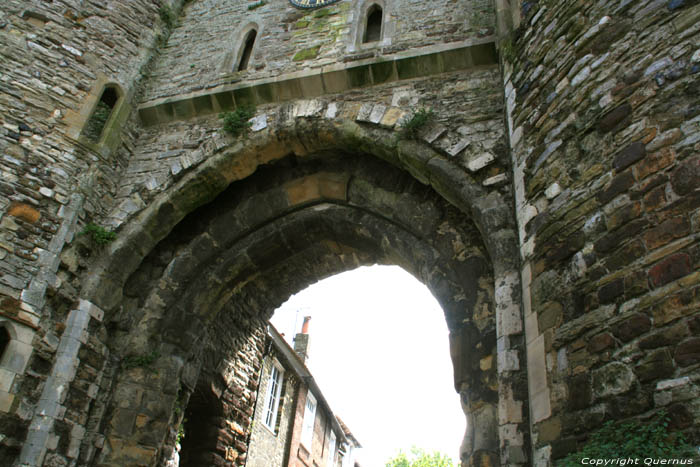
<point x="123" y="422"/>
<point x="612" y="379"/>
<point x="601" y="342"/>
<point x="203" y="105"/>
<point x="480" y="161"/>
<point x="581" y="421"/>
<point x="609" y="292"/>
<point x="686" y="177"/>
<point x="667" y="231"/>
<point x="223" y="100"/>
<point x="618" y="185"/>
<point x="359" y="76"/>
<point x="623" y="215"/>
<point x="688" y="352"/>
<point x="632" y="327"/>
<point x="626" y="255"/>
<point x="664" y="337"/>
<point x="614" y="117"/>
<point x="669" y="269"/>
<point x="549" y="430"/>
<point x="655" y="162"/>
<point x="391" y="117"/>
<point x="629" y="155"/>
<point x="550" y="316"/>
<point x="656" y="365"/>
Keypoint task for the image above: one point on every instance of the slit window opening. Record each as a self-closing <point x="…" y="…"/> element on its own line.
<point x="4" y="340"/>
<point x="373" y="31"/>
<point x="247" y="50"/>
<point x="100" y="116"/>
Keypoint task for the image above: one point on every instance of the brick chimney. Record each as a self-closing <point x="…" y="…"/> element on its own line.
<point x="301" y="340"/>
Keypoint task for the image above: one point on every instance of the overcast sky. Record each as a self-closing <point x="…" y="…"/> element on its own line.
<point x="379" y="352"/>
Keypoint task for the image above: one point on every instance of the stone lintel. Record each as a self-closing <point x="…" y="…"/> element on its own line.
<point x="331" y="79"/>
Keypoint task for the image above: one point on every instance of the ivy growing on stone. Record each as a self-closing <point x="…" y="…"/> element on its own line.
<point x="167" y="15"/>
<point x="238" y="122"/>
<point x="632" y="439"/>
<point x="98" y="234"/>
<point x="507" y="49"/>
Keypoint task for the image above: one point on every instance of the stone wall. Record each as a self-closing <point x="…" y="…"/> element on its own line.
<point x="56" y="59"/>
<point x="218" y="417"/>
<point x="603" y="109"/>
<point x="205" y="46"/>
<point x="596" y="174"/>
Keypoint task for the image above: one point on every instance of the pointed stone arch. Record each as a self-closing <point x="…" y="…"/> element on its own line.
<point x="230" y="236"/>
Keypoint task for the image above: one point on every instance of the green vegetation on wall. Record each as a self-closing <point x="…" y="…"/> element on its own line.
<point x="96" y="123"/>
<point x="307" y="54"/>
<point x="98" y="234"/>
<point x="633" y="439"/>
<point x="237" y="122"/>
<point x="412" y="126"/>
<point x="140" y="361"/>
<point x="167" y="15"/>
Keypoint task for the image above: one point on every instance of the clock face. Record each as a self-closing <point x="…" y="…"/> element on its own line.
<point x="307" y="4"/>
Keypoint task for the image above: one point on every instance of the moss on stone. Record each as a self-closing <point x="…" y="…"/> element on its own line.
<point x="307" y="54"/>
<point x="301" y="24"/>
<point x="323" y="12"/>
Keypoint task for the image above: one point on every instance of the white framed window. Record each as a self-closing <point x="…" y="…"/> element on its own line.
<point x="272" y="396"/>
<point x="307" y="430"/>
<point x="331" y="449"/>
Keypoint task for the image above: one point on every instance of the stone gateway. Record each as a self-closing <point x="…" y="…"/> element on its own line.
<point x="535" y="164"/>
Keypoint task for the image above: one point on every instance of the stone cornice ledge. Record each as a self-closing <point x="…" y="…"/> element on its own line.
<point x="331" y="79"/>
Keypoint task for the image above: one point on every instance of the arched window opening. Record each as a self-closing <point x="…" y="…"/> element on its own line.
<point x="247" y="50"/>
<point x="101" y="114"/>
<point x="373" y="31"/>
<point x="4" y="340"/>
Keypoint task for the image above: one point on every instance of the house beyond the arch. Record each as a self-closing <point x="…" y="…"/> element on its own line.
<point x="293" y="423"/>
